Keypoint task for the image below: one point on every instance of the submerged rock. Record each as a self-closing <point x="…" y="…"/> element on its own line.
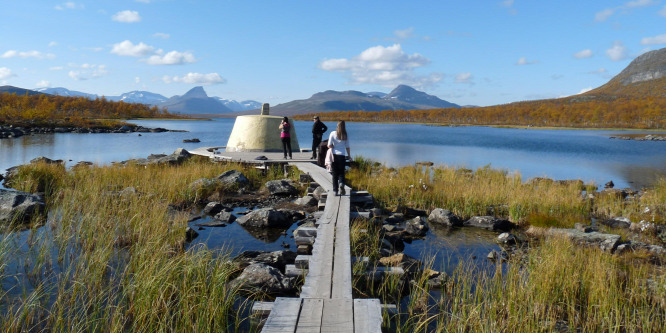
<point x="265" y="278"/>
<point x="265" y="217"/>
<point x="19" y="206"/>
<point x="277" y="259"/>
<point x="490" y="223"/>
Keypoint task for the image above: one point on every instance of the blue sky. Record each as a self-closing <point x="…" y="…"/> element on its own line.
<point x="466" y="52"/>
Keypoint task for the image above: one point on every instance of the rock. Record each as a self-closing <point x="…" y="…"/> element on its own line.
<point x="281" y="187"/>
<point x="19" y="206"/>
<point x="412" y="212"/>
<point x="194" y="140"/>
<point x="233" y="177"/>
<point x="610" y="184"/>
<point x="416" y="227"/>
<point x="444" y="217"/>
<point x="635" y="245"/>
<point x="190" y="234"/>
<point x="265" y="217"/>
<point x="201" y="184"/>
<point x="264" y="278"/>
<point x="292" y="214"/>
<point x="493" y="255"/>
<point x="46" y="160"/>
<point x="617" y="222"/>
<point x="613" y="192"/>
<point x="489" y="222"/>
<point x="395" y="218"/>
<point x="317" y="193"/>
<point x="507" y="239"/>
<point x="277" y="259"/>
<point x="213" y="208"/>
<point x="438" y="280"/>
<point x="407" y="263"/>
<point x="225" y="217"/>
<point x="306" y="201"/>
<point x="584" y="228"/>
<point x="606" y="242"/>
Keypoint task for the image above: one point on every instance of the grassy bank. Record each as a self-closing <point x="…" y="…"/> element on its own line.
<point x="487" y="191"/>
<point x="111" y="255"/>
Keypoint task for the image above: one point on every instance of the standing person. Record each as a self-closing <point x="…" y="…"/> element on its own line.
<point x="318" y="130"/>
<point x="285" y="135"/>
<point x="339" y="142"/>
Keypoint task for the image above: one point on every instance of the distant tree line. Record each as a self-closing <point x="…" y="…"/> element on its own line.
<point x="50" y="111"/>
<point x="647" y="112"/>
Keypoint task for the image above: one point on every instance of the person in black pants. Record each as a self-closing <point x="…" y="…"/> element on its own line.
<point x="318" y="130"/>
<point x="338" y="142"/>
<point x="285" y="135"/>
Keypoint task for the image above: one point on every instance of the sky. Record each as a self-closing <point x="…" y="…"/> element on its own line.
<point x="466" y="52"/>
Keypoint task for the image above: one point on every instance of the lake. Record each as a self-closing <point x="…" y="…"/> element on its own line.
<point x="559" y="154"/>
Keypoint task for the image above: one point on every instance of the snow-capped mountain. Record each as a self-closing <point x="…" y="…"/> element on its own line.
<point x="144" y="97"/>
<point x="239" y="106"/>
<point x="60" y="91"/>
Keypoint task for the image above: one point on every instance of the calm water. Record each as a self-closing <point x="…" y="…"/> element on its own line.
<point x="558" y="154"/>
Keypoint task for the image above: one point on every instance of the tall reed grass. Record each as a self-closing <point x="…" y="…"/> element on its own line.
<point x="487" y="191"/>
<point x="111" y="256"/>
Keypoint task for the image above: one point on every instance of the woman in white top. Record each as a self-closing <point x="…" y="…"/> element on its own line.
<point x="339" y="143"/>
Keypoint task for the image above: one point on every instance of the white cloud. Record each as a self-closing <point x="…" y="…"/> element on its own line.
<point x="144" y="1"/>
<point x="127" y="16"/>
<point x="161" y="35"/>
<point x="523" y="61"/>
<point x="171" y="58"/>
<point x="53" y="43"/>
<point x="640" y="3"/>
<point x="604" y="14"/>
<point x="43" y="84"/>
<point x="56" y="68"/>
<point x="127" y="48"/>
<point x="584" y="90"/>
<point x="601" y="70"/>
<point x="87" y="71"/>
<point x="137" y="80"/>
<point x="662" y="12"/>
<point x="5" y="73"/>
<point x="28" y="54"/>
<point x="386" y="66"/>
<point x="660" y="39"/>
<point x="464" y="78"/>
<point x="195" y="78"/>
<point x="68" y="5"/>
<point x="583" y="54"/>
<point x="507" y="3"/>
<point x="404" y="34"/>
<point x="617" y="52"/>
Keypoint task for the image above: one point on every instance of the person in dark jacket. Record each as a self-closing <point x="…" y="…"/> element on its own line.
<point x="318" y="130"/>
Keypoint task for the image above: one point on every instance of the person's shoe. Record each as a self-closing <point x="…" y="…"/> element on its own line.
<point x="285" y="157"/>
<point x="336" y="193"/>
<point x="342" y="190"/>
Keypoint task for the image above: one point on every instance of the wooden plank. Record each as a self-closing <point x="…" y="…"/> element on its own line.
<point x="367" y="315"/>
<point x="318" y="281"/>
<point x="284" y="315"/>
<point x="311" y="314"/>
<point x="338" y="316"/>
<point x="342" y="269"/>
<point x="262" y="308"/>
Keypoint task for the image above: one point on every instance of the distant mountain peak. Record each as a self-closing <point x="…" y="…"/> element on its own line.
<point x="196" y="92"/>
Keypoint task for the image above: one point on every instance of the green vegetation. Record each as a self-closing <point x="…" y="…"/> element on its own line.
<point x="53" y="111"/>
<point x="114" y="261"/>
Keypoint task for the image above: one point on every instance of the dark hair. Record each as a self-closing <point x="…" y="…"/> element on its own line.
<point x="341" y="130"/>
<point x="285" y="119"/>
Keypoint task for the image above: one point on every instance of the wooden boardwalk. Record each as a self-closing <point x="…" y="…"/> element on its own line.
<point x="325" y="303"/>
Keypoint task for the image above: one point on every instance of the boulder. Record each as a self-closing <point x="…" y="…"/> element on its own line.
<point x="213" y="208"/>
<point x="19" y="206"/>
<point x="507" y="239"/>
<point x="277" y="259"/>
<point x="306" y="201"/>
<point x="606" y="242"/>
<point x="265" y="217"/>
<point x="489" y="223"/>
<point x="225" y="217"/>
<point x="46" y="160"/>
<point x="617" y="222"/>
<point x="416" y="227"/>
<point x="317" y="193"/>
<point x="444" y="217"/>
<point x="281" y="187"/>
<point x="233" y="177"/>
<point x="265" y="278"/>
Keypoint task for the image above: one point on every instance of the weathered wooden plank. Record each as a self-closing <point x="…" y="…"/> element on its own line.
<point x="284" y="315"/>
<point x="338" y="315"/>
<point x="319" y="174"/>
<point x="367" y="315"/>
<point x="342" y="270"/>
<point x="262" y="308"/>
<point x="318" y="281"/>
<point x="311" y="314"/>
<point x="303" y="261"/>
<point x="293" y="271"/>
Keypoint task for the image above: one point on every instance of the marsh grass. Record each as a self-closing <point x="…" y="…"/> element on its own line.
<point x="488" y="191"/>
<point x="111" y="256"/>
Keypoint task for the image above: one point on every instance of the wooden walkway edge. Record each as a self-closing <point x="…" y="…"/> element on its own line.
<point x="325" y="303"/>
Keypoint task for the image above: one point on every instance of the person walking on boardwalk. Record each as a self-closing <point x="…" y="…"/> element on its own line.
<point x="318" y="130"/>
<point x="285" y="135"/>
<point x="339" y="142"/>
